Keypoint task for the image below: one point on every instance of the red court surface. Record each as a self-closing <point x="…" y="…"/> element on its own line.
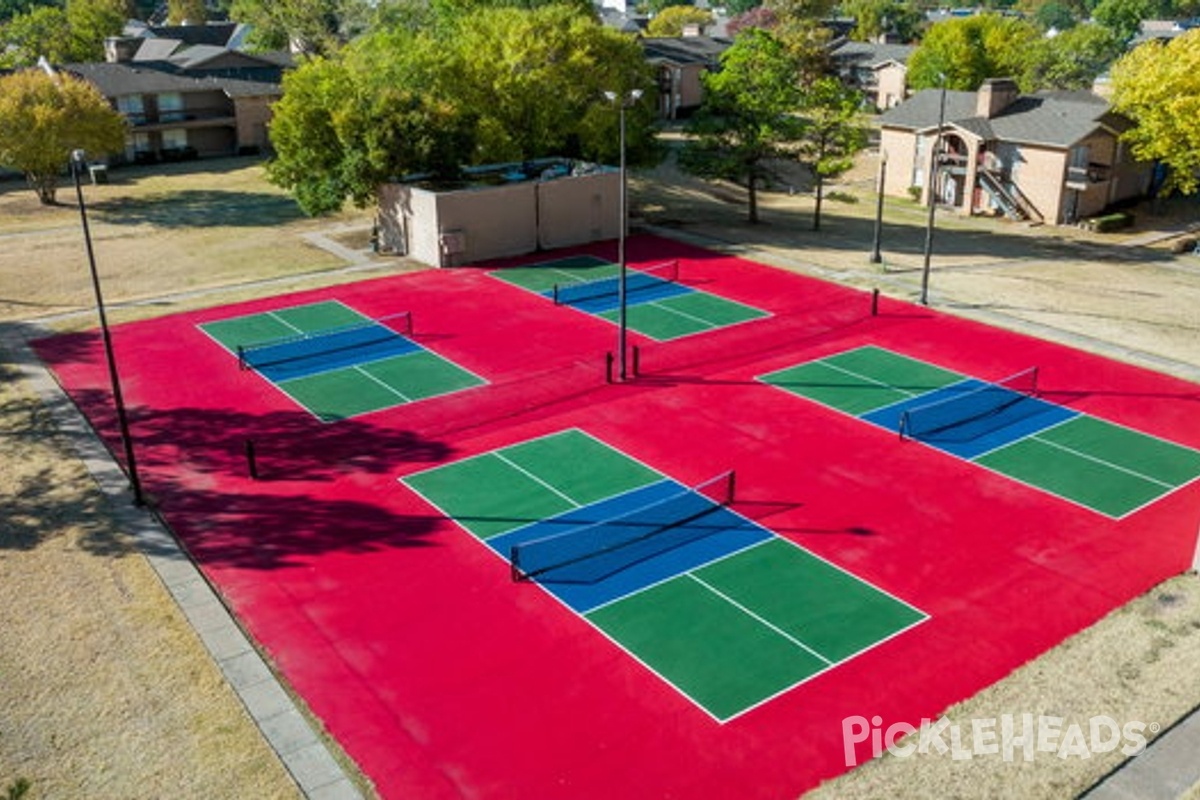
<point x="444" y="679"/>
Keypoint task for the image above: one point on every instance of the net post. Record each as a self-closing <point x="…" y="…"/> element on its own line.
<point x="875" y="302"/>
<point x="241" y="355"/>
<point x="732" y="487"/>
<point x="556" y="302"/>
<point x="608" y="367"/>
<point x="637" y="361"/>
<point x="514" y="570"/>
<point x="251" y="459"/>
<point x="903" y="425"/>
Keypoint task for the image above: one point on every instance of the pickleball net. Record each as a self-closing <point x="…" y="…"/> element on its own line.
<point x="635" y="280"/>
<point x="988" y="400"/>
<point x="316" y="344"/>
<point x="594" y="551"/>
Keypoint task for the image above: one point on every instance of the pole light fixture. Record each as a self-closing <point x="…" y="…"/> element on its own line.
<point x="935" y="156"/>
<point x="876" y="241"/>
<point x="622" y="101"/>
<point x="78" y="164"/>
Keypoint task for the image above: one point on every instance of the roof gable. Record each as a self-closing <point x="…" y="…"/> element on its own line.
<point x="1052" y="119"/>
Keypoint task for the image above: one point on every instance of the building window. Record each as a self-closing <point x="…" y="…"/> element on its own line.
<point x="174" y="139"/>
<point x="137" y="143"/>
<point x="170" y="107"/>
<point x="130" y="107"/>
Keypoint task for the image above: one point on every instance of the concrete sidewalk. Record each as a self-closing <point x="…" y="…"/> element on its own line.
<point x="1169" y="768"/>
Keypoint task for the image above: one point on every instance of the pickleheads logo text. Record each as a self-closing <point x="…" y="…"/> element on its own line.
<point x="1009" y="736"/>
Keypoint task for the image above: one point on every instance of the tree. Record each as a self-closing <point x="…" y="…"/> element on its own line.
<point x="1124" y="17"/>
<point x="194" y="12"/>
<point x="833" y="133"/>
<point x="14" y="8"/>
<point x="314" y="26"/>
<point x="1158" y="87"/>
<point x="537" y="79"/>
<point x="655" y="7"/>
<point x="757" y="17"/>
<point x="502" y="84"/>
<point x="43" y="118"/>
<point x="345" y="125"/>
<point x="91" y="22"/>
<point x="1073" y="59"/>
<point x="673" y="20"/>
<point x="738" y="7"/>
<point x="873" y="18"/>
<point x="1054" y="15"/>
<point x="969" y="50"/>
<point x="40" y="32"/>
<point x="747" y="116"/>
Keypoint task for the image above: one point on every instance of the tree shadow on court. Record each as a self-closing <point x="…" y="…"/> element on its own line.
<point x="194" y="471"/>
<point x="198" y="208"/>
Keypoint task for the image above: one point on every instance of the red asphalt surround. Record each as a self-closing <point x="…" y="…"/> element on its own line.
<point x="443" y="679"/>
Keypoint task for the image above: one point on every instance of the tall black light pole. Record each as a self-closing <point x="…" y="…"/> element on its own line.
<point x="933" y="163"/>
<point x="876" y="254"/>
<point x="78" y="164"/>
<point x="623" y="102"/>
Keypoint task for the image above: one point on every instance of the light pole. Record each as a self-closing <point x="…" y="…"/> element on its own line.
<point x="876" y="255"/>
<point x="933" y="162"/>
<point x="622" y="102"/>
<point x="77" y="165"/>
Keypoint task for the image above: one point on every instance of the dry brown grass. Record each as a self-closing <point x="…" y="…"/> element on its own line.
<point x="180" y="227"/>
<point x="104" y="691"/>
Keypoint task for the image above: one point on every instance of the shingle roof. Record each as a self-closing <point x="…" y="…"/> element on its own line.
<point x="115" y="80"/>
<point x="685" y="49"/>
<point x="871" y="54"/>
<point x="216" y="33"/>
<point x="156" y="49"/>
<point x="1055" y="119"/>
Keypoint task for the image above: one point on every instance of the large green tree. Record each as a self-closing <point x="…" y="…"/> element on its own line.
<point x="44" y="118"/>
<point x="1124" y="17"/>
<point x="748" y="116"/>
<point x="1073" y="59"/>
<point x="314" y="27"/>
<point x="40" y="32"/>
<point x="873" y="18"/>
<point x="91" y="22"/>
<point x="347" y="124"/>
<point x="673" y="20"/>
<point x="1158" y="86"/>
<point x="13" y="8"/>
<point x="537" y="79"/>
<point x="967" y="51"/>
<point x="833" y="133"/>
<point x="502" y="84"/>
<point x="193" y="12"/>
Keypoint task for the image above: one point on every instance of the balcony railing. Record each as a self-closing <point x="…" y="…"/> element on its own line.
<point x="179" y="117"/>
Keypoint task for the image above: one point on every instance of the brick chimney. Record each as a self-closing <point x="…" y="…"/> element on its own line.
<point x="994" y="95"/>
<point x="121" y="49"/>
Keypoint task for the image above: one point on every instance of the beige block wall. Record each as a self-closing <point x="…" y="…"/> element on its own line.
<point x="497" y="221"/>
<point x="577" y="210"/>
<point x="491" y="222"/>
